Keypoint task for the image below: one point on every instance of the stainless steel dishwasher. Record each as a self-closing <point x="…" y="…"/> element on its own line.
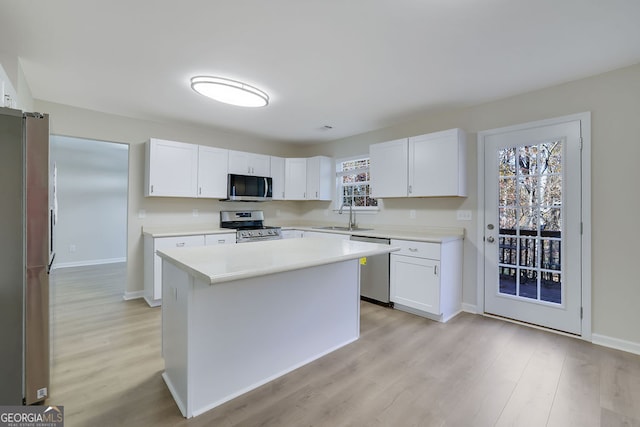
<point x="374" y="274"/>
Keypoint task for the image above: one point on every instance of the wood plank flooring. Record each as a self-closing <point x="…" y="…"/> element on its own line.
<point x="403" y="371"/>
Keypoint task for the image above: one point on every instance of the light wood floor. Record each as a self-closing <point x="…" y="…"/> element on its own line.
<point x="403" y="371"/>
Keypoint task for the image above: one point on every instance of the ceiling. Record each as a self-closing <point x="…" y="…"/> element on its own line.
<point x="355" y="65"/>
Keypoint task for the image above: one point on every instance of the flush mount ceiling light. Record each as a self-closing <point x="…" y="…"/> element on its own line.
<point x="229" y="91"/>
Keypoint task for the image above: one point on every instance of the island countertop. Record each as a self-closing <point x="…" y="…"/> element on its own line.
<point x="224" y="263"/>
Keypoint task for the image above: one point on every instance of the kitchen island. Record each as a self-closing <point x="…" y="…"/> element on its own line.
<point x="235" y="317"/>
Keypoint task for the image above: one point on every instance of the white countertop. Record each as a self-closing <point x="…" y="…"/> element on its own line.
<point x="434" y="235"/>
<point x="224" y="263"/>
<point x="184" y="230"/>
<point x="422" y="234"/>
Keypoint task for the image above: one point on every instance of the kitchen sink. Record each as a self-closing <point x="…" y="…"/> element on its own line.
<point x="337" y="228"/>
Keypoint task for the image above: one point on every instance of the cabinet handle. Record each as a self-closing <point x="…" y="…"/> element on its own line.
<point x="180" y="245"/>
<point x="435" y="270"/>
<point x="200" y="190"/>
<point x="316" y="194"/>
<point x="220" y="241"/>
<point x="152" y="189"/>
<point x="304" y="195"/>
<point x="413" y="249"/>
<point x="283" y="194"/>
<point x="410" y="189"/>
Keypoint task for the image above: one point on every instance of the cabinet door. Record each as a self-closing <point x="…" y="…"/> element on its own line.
<point x="243" y="163"/>
<point x="319" y="178"/>
<point x="389" y="168"/>
<point x="295" y="186"/>
<point x="415" y="283"/>
<point x="278" y="175"/>
<point x="239" y="162"/>
<point x="219" y="239"/>
<point x="437" y="164"/>
<point x="169" y="243"/>
<point x="171" y="169"/>
<point x="212" y="172"/>
<point x="321" y="235"/>
<point x="292" y="234"/>
<point x="260" y="165"/>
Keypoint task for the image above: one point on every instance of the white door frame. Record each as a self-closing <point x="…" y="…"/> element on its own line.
<point x="585" y="268"/>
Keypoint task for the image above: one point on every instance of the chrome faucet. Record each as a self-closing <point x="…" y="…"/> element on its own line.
<point x="352" y="216"/>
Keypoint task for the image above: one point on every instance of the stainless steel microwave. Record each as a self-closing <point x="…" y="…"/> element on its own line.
<point x="249" y="188"/>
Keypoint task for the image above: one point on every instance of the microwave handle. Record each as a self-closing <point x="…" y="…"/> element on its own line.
<point x="266" y="187"/>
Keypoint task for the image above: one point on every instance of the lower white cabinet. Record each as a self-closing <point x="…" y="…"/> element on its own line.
<point x="426" y="278"/>
<point x="292" y="234"/>
<point x="322" y="235"/>
<point x="219" y="239"/>
<point x="153" y="263"/>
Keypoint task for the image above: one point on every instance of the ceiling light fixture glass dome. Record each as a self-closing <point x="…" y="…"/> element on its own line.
<point x="229" y="91"/>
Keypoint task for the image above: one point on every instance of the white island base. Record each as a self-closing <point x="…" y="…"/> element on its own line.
<point x="223" y="339"/>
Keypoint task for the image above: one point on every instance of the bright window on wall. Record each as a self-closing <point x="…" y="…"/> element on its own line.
<point x="352" y="184"/>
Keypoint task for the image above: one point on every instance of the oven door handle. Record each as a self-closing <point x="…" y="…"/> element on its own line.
<point x="266" y="187"/>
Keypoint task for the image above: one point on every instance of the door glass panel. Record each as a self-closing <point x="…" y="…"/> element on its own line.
<point x="530" y="209"/>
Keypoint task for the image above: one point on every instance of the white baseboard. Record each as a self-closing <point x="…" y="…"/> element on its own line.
<point x="618" y="344"/>
<point x="470" y="308"/>
<point x="133" y="295"/>
<point x="88" y="262"/>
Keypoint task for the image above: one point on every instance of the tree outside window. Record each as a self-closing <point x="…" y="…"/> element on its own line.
<point x="353" y="188"/>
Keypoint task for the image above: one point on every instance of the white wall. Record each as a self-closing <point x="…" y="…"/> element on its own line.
<point x="76" y="122"/>
<point x="614" y="100"/>
<point x="92" y="182"/>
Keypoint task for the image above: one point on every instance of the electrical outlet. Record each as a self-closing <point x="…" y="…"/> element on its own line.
<point x="464" y="215"/>
<point x="412" y="214"/>
<point x="72" y="248"/>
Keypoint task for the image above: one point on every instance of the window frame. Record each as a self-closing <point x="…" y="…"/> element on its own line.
<point x="338" y="193"/>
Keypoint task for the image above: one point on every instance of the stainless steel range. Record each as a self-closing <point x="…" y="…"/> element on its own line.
<point x="249" y="225"/>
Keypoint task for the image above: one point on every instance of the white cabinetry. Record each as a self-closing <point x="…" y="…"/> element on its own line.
<point x="437" y="164"/>
<point x="389" y="168"/>
<point x="278" y="176"/>
<point x="431" y="165"/>
<point x="426" y="278"/>
<point x="292" y="234"/>
<point x="153" y="263"/>
<point x="322" y="235"/>
<point x="212" y="172"/>
<point x="319" y="178"/>
<point x="243" y="163"/>
<point x="171" y="169"/>
<point x="219" y="239"/>
<point x="295" y="186"/>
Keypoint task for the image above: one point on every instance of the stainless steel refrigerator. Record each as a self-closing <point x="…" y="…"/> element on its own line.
<point x="26" y="255"/>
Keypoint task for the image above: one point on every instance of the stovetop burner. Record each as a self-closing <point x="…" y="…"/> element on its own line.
<point x="249" y="225"/>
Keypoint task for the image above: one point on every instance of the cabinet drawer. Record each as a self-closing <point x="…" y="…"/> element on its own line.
<point x="417" y="249"/>
<point x="178" y="242"/>
<point x="219" y="239"/>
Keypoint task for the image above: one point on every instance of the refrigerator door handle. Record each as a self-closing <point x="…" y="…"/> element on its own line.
<point x="51" y="263"/>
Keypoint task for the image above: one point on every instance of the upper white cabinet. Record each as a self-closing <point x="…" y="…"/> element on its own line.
<point x="212" y="172"/>
<point x="389" y="169"/>
<point x="319" y="178"/>
<point x="278" y="174"/>
<point x="242" y="163"/>
<point x="437" y="164"/>
<point x="295" y="186"/>
<point x="431" y="165"/>
<point x="171" y="169"/>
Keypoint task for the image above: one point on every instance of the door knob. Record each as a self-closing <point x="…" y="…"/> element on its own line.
<point x="490" y="239"/>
